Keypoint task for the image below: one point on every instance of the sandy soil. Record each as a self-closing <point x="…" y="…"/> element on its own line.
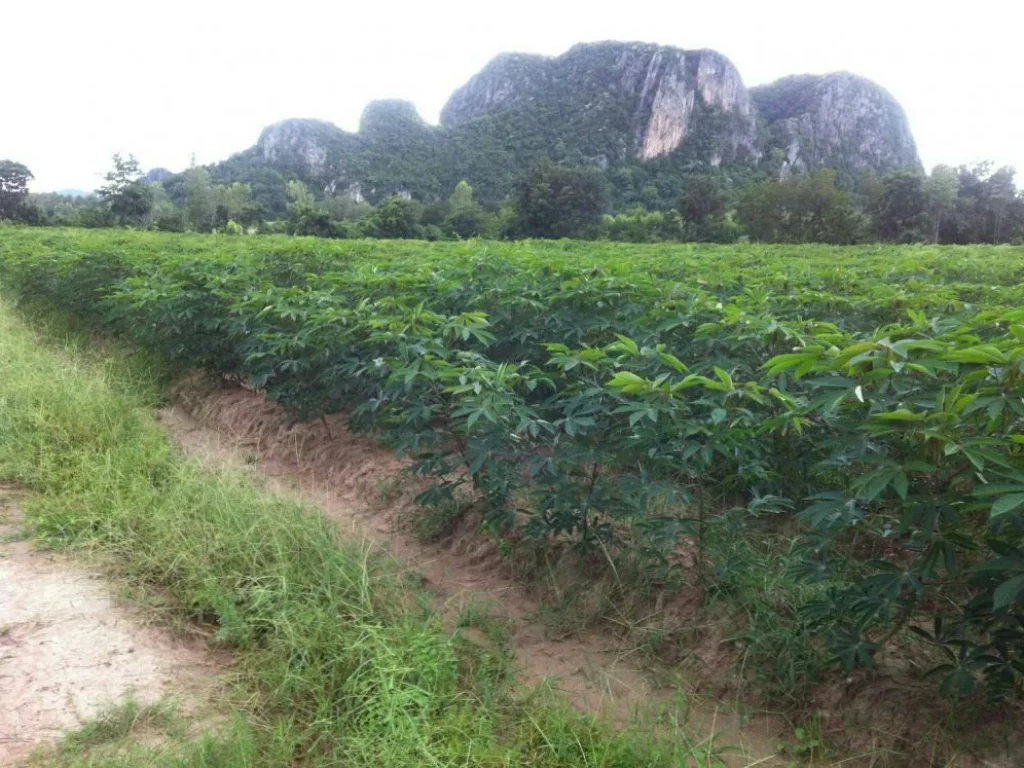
<point x="68" y="649"/>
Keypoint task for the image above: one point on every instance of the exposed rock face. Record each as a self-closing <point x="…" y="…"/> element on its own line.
<point x="666" y="99"/>
<point x="678" y="81"/>
<point x="658" y="95"/>
<point x="298" y="145"/>
<point x="837" y="121"/>
<point x="393" y="153"/>
<point x="156" y="175"/>
<point x="355" y="193"/>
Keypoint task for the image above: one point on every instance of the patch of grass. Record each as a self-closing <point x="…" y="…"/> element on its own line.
<point x="477" y="614"/>
<point x="809" y="743"/>
<point x="131" y="735"/>
<point x="338" y="661"/>
<point x="780" y="655"/>
<point x="119" y="721"/>
<point x="619" y="595"/>
<point x="389" y="489"/>
<point x="21" y="534"/>
<point x="488" y="643"/>
<point x="434" y="522"/>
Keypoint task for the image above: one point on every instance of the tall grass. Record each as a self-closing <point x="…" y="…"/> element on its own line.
<point x="339" y="660"/>
<point x="754" y="582"/>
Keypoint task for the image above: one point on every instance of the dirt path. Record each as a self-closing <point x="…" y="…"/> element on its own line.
<point x="346" y="476"/>
<point x="68" y="650"/>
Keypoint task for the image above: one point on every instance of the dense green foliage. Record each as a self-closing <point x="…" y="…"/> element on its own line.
<point x="395" y="153"/>
<point x="704" y="207"/>
<point x="554" y="201"/>
<point x="61" y="210"/>
<point x="14" y="178"/>
<point x="866" y="398"/>
<point x="338" y="659"/>
<point x="965" y="205"/>
<point x="801" y="209"/>
<point x="129" y="199"/>
<point x="900" y="209"/>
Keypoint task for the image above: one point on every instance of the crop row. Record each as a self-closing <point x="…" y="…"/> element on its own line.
<point x="629" y="397"/>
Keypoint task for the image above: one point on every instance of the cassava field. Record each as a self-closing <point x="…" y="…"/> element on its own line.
<point x="793" y="476"/>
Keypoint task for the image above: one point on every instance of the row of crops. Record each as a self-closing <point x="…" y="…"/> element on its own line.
<point x="869" y="400"/>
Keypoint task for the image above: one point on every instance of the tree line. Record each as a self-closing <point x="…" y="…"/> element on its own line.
<point x="969" y="204"/>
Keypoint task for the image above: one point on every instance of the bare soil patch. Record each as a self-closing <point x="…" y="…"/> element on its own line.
<point x="69" y="649"/>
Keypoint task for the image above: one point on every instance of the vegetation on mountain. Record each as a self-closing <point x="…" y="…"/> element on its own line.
<point x="838" y="121"/>
<point x="646" y="116"/>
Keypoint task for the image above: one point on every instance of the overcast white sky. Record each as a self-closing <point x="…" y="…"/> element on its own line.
<point x="86" y="78"/>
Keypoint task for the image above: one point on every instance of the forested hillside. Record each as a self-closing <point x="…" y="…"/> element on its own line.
<point x="647" y="116"/>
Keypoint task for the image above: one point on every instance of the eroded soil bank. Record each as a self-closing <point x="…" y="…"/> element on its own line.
<point x="360" y="485"/>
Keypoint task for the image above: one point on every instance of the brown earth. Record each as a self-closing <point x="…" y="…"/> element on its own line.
<point x="69" y="649"/>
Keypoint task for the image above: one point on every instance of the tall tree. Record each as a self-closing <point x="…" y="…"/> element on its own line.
<point x="940" y="190"/>
<point x="305" y="215"/>
<point x="235" y="203"/>
<point x="462" y="197"/>
<point x="200" y="200"/>
<point x="703" y="205"/>
<point x="900" y="210"/>
<point x="465" y="218"/>
<point x="553" y="201"/>
<point x="299" y="194"/>
<point x="987" y="207"/>
<point x="126" y="193"/>
<point x="166" y="215"/>
<point x="1001" y="193"/>
<point x="14" y="179"/>
<point x="396" y="217"/>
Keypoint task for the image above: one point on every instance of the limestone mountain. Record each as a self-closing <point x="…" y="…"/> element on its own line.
<point x="154" y="175"/>
<point x="618" y="101"/>
<point x="835" y="121"/>
<point x="647" y="115"/>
